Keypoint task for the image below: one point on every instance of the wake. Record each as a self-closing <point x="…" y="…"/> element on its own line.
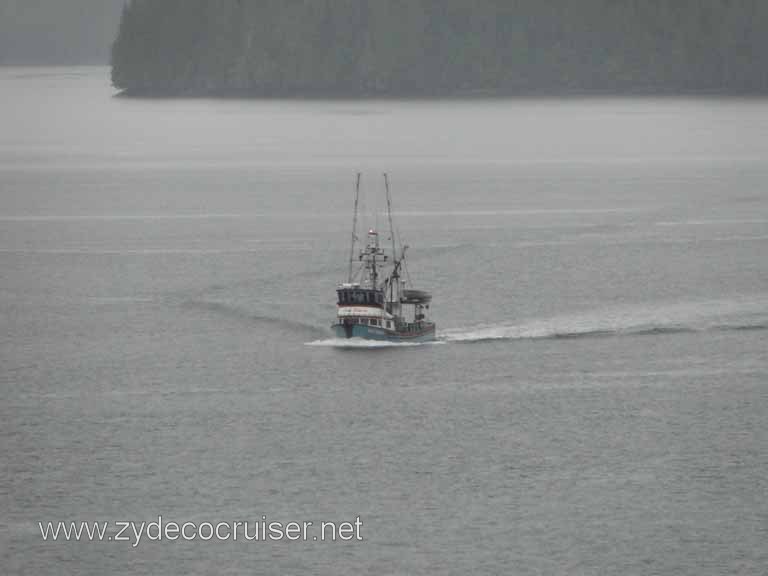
<point x="241" y="314"/>
<point x="690" y="317"/>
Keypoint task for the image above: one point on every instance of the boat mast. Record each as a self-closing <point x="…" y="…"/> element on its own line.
<point x="395" y="276"/>
<point x="389" y="214"/>
<point x="354" y="229"/>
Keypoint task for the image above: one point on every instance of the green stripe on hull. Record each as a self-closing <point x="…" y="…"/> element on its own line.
<point x="374" y="333"/>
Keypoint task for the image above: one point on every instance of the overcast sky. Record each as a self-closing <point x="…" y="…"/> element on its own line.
<point x="57" y="31"/>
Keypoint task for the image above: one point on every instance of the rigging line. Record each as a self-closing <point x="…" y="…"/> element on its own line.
<point x="389" y="215"/>
<point x="357" y="272"/>
<point x="405" y="261"/>
<point x="407" y="274"/>
<point x="364" y="210"/>
<point x="375" y="212"/>
<point x="354" y="228"/>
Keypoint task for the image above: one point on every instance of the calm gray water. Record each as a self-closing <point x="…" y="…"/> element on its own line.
<point x="597" y="403"/>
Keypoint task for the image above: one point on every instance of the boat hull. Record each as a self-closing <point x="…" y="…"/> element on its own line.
<point x="367" y="332"/>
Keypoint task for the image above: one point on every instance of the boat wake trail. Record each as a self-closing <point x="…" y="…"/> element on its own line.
<point x="241" y="314"/>
<point x="704" y="316"/>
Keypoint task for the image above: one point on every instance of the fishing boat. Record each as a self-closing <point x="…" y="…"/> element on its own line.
<point x="376" y="302"/>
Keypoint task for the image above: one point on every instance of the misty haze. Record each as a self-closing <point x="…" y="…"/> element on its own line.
<point x="566" y="376"/>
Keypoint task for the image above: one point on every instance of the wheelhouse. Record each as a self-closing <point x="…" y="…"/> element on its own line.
<point x="357" y="296"/>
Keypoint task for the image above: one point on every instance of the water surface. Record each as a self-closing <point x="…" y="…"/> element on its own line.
<point x="596" y="402"/>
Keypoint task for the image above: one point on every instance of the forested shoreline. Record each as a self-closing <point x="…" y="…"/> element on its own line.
<point x="440" y="47"/>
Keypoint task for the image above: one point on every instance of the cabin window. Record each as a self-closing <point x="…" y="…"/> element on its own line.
<point x="374" y="322"/>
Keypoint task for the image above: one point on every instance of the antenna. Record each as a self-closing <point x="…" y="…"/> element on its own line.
<point x="354" y="228"/>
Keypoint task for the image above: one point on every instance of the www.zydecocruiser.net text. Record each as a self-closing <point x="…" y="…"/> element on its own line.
<point x="160" y="530"/>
